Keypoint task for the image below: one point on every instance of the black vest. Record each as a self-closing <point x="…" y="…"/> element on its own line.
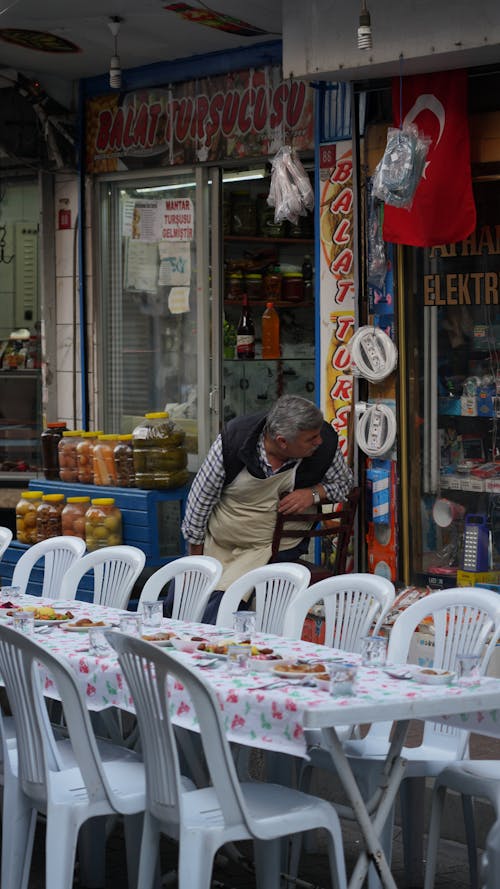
<point x="239" y="448"/>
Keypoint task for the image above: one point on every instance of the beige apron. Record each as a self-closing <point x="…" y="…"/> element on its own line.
<point x="241" y="526"/>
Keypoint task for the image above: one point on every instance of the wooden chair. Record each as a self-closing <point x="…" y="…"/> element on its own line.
<point x="335" y="528"/>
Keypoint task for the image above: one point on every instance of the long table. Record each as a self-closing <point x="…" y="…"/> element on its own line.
<point x="276" y="718"/>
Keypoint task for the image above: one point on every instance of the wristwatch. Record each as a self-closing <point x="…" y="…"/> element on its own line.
<point x="316" y="496"/>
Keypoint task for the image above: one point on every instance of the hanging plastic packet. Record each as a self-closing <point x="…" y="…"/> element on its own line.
<point x="377" y="260"/>
<point x="399" y="171"/>
<point x="290" y="193"/>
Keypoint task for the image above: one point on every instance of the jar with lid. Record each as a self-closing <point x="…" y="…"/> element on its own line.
<point x="26" y="516"/>
<point x="243" y="214"/>
<point x="272" y="285"/>
<point x="160" y="460"/>
<point x="50" y="439"/>
<point x="103" y="462"/>
<point x="85" y="457"/>
<point x="234" y="287"/>
<point x="103" y="524"/>
<point x="48" y="516"/>
<point x="67" y="456"/>
<point x="73" y="516"/>
<point x="253" y="285"/>
<point x="293" y="287"/>
<point x="123" y="456"/>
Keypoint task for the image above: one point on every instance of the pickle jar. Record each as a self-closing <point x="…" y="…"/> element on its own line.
<point x="85" y="457"/>
<point x="104" y="463"/>
<point x="67" y="455"/>
<point x="160" y="458"/>
<point x="73" y="516"/>
<point x="48" y="517"/>
<point x="50" y="438"/>
<point x="124" y="461"/>
<point x="272" y="285"/>
<point x="26" y="516"/>
<point x="103" y="524"/>
<point x="293" y="287"/>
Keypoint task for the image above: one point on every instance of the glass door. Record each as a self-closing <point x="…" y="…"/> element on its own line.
<point x="156" y="303"/>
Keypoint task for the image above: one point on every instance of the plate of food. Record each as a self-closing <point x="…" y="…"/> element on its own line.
<point x="85" y="624"/>
<point x="430" y="676"/>
<point x="322" y="680"/>
<point x="187" y="643"/>
<point x="263" y="659"/>
<point x="298" y="671"/>
<point x="219" y="647"/>
<point x="44" y="614"/>
<point x="165" y="640"/>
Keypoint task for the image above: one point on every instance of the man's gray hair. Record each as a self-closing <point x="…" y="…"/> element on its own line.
<point x="290" y="415"/>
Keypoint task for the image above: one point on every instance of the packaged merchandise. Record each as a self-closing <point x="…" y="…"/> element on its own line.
<point x="160" y="458"/>
<point x="50" y="438"/>
<point x="85" y="457"/>
<point x="67" y="455"/>
<point x="245" y="332"/>
<point x="103" y="460"/>
<point x="48" y="516"/>
<point x="103" y="524"/>
<point x="26" y="512"/>
<point x="73" y="516"/>
<point x="270" y="332"/>
<point x="124" y="462"/>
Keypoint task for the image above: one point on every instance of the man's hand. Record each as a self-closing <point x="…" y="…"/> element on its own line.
<point x="195" y="549"/>
<point x="296" y="501"/>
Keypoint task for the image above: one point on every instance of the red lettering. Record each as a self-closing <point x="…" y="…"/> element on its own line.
<point x="344" y="325"/>
<point x="342" y="389"/>
<point x="342" y="234"/>
<point x="230" y="112"/>
<point x="116" y="133"/>
<point x="154" y="113"/>
<point x="198" y="124"/>
<point x="341" y="359"/>
<point x="245" y="122"/>
<point x="344" y="289"/>
<point x="214" y="123"/>
<point x="278" y="103"/>
<point x="184" y="114"/>
<point x="342" y="172"/>
<point x="343" y="202"/>
<point x="105" y="119"/>
<point x="128" y="135"/>
<point x="260" y="109"/>
<point x="342" y="265"/>
<point x="341" y="421"/>
<point x="295" y="103"/>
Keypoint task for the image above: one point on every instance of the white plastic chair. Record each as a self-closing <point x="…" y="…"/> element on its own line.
<point x="194" y="578"/>
<point x="227" y="811"/>
<point x="5" y="539"/>
<point x="69" y="781"/>
<point x="116" y="569"/>
<point x="275" y="587"/>
<point x="464" y="619"/>
<point x="355" y="604"/>
<point x="471" y="779"/>
<point x="58" y="553"/>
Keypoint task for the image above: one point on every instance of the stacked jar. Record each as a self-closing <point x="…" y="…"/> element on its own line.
<point x="73" y="516"/>
<point x="26" y="511"/>
<point x="103" y="524"/>
<point x="67" y="456"/>
<point x="253" y="285"/>
<point x="85" y="457"/>
<point x="124" y="462"/>
<point x="48" y="517"/>
<point x="50" y="439"/>
<point x="104" y="464"/>
<point x="160" y="460"/>
<point x="272" y="285"/>
<point x="293" y="287"/>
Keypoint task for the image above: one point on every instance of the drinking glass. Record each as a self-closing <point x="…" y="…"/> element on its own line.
<point x="131" y="624"/>
<point x="24" y="621"/>
<point x="98" y="644"/>
<point x="237" y="659"/>
<point x="373" y="651"/>
<point x="342" y="679"/>
<point x="152" y="614"/>
<point x="467" y="668"/>
<point x="7" y="593"/>
<point x="244" y="622"/>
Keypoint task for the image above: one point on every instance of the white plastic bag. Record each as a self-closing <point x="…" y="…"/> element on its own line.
<point x="290" y="193"/>
<point x="400" y="169"/>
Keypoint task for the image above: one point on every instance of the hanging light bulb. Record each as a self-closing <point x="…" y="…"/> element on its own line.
<point x="365" y="28"/>
<point x="115" y="70"/>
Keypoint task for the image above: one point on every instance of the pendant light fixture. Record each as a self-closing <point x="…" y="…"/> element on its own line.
<point x="365" y="28"/>
<point x="115" y="71"/>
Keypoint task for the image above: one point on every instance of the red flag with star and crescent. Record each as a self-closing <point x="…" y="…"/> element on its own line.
<point x="443" y="209"/>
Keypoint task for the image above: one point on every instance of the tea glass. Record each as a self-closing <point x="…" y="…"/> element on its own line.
<point x="237" y="659"/>
<point x="244" y="622"/>
<point x="131" y="624"/>
<point x="468" y="669"/>
<point x="342" y="679"/>
<point x="98" y="644"/>
<point x="24" y="621"/>
<point x="373" y="651"/>
<point x="152" y="614"/>
<point x="7" y="593"/>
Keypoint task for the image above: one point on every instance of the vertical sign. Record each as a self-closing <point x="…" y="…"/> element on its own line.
<point x="337" y="291"/>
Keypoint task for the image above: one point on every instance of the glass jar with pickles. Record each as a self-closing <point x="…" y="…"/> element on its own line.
<point x="160" y="458"/>
<point x="48" y="517"/>
<point x="103" y="524"/>
<point x="67" y="455"/>
<point x="85" y="457"/>
<point x="124" y="462"/>
<point x="26" y="511"/>
<point x="103" y="462"/>
<point x="73" y="516"/>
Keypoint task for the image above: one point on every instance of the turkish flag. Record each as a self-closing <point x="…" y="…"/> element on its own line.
<point x="443" y="209"/>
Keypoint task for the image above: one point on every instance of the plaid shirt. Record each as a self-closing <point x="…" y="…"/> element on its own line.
<point x="208" y="483"/>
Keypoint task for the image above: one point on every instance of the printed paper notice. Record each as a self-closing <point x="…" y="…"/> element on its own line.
<point x="141" y="271"/>
<point x="178" y="300"/>
<point x="145" y="221"/>
<point x="175" y="263"/>
<point x="177" y="219"/>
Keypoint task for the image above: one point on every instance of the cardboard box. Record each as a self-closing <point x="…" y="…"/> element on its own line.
<point x="472" y="578"/>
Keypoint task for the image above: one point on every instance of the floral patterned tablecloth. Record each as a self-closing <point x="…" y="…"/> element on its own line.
<point x="269" y="718"/>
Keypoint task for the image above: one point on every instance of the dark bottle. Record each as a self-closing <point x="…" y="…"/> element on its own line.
<point x="307" y="274"/>
<point x="245" y="332"/>
<point x="50" y="439"/>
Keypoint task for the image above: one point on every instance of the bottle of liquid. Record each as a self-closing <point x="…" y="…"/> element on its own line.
<point x="245" y="333"/>
<point x="307" y="275"/>
<point x="270" y="332"/>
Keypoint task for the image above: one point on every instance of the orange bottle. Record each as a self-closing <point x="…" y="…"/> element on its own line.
<point x="270" y="332"/>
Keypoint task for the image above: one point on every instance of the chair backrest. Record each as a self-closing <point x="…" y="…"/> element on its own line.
<point x="466" y="620"/>
<point x="275" y="587"/>
<point x="115" y="568"/>
<point x="194" y="579"/>
<point x="146" y="670"/>
<point x="58" y="553"/>
<point x="355" y="605"/>
<point x="36" y="747"/>
<point x="5" y="539"/>
<point x="335" y="528"/>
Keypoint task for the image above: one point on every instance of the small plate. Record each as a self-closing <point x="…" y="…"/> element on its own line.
<point x="165" y="642"/>
<point x="428" y="676"/>
<point x="185" y="644"/>
<point x="72" y="628"/>
<point x="52" y="623"/>
<point x="291" y="674"/>
<point x="324" y="684"/>
<point x="262" y="664"/>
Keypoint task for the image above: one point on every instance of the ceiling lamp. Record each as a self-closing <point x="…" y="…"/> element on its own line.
<point x="115" y="71"/>
<point x="365" y="28"/>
